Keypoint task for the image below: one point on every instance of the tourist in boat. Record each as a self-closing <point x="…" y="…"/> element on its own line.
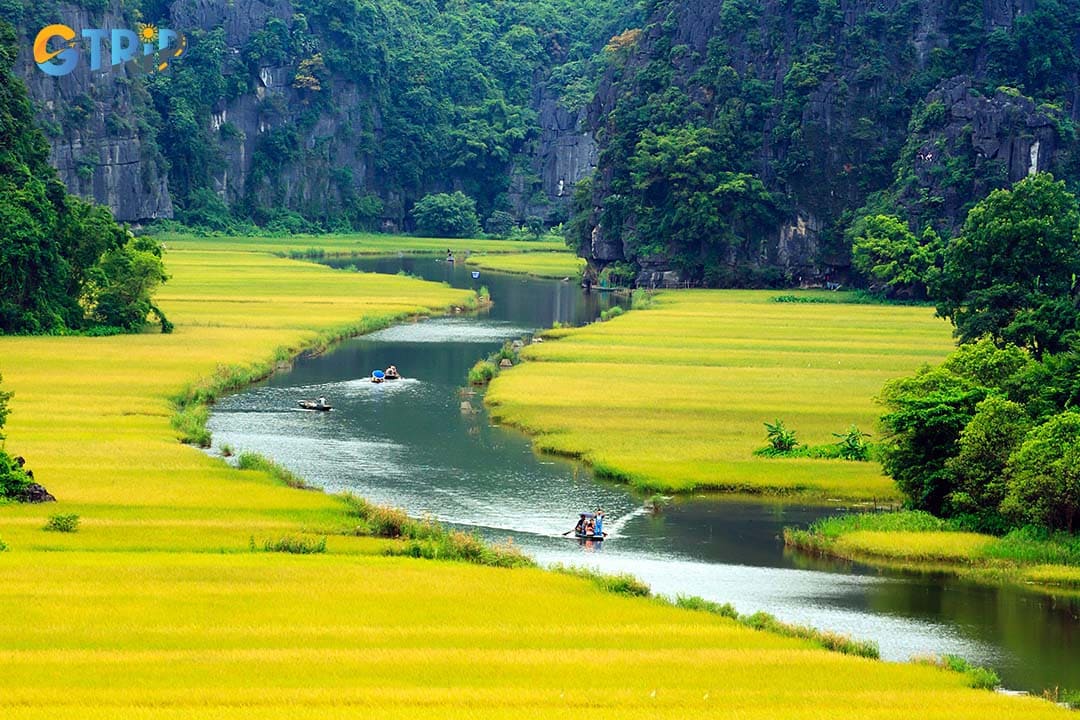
<point x="392" y="373"/>
<point x="598" y="524"/>
<point x="322" y="401"/>
<point x="449" y="255"/>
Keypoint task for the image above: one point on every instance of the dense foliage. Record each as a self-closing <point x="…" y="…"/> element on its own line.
<point x="436" y="96"/>
<point x="64" y="264"/>
<point x="449" y="215"/>
<point x="809" y="118"/>
<point x="13" y="479"/>
<point x="1012" y="273"/>
<point x="989" y="437"/>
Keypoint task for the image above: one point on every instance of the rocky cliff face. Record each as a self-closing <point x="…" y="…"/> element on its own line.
<point x="828" y="103"/>
<point x="102" y="131"/>
<point x="97" y="125"/>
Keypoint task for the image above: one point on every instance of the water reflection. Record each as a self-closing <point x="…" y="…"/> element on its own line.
<point x="408" y="443"/>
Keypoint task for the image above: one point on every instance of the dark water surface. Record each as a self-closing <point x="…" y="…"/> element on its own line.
<point x="408" y="443"/>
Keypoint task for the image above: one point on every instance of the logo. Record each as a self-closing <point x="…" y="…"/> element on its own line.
<point x="57" y="50"/>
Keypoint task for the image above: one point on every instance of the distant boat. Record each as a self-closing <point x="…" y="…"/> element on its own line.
<point x="378" y="376"/>
<point x="475" y="274"/>
<point x="314" y="405"/>
<point x="391" y="374"/>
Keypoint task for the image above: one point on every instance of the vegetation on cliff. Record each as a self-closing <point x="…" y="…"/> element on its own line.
<point x="65" y="265"/>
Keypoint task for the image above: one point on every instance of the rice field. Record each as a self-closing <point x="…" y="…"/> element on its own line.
<point x="917" y="540"/>
<point x="159" y="608"/>
<point x="674" y="398"/>
<point x="360" y="244"/>
<point x="541" y="264"/>
<point x="169" y="635"/>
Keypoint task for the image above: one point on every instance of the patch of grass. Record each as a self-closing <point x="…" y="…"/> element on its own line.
<point x="913" y="539"/>
<point x="835" y="642"/>
<point x="483" y="372"/>
<point x="294" y="545"/>
<point x="538" y="264"/>
<point x="611" y="313"/>
<point x="254" y="461"/>
<point x="427" y="538"/>
<point x="702" y="605"/>
<point x="699" y="370"/>
<point x="977" y="677"/>
<point x="620" y="583"/>
<point x="62" y="523"/>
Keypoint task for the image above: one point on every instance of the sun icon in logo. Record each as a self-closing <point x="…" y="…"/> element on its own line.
<point x="148" y="34"/>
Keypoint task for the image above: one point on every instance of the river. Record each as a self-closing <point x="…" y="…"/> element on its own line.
<point x="410" y="444"/>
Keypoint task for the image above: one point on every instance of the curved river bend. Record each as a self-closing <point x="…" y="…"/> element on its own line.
<point x="409" y="444"/>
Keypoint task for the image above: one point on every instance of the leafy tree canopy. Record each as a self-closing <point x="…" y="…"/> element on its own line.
<point x="1012" y="273"/>
<point x="451" y="215"/>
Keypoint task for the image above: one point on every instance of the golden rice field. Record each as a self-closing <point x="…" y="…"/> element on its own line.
<point x="171" y="635"/>
<point x="363" y="244"/>
<point x="674" y="397"/>
<point x="544" y="264"/>
<point x="914" y="546"/>
<point x="156" y="608"/>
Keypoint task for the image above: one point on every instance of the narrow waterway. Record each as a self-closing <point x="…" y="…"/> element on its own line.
<point x="411" y="444"/>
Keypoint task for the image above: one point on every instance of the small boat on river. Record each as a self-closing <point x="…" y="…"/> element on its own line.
<point x="378" y="376"/>
<point x="590" y="527"/>
<point x="391" y="373"/>
<point x="319" y="405"/>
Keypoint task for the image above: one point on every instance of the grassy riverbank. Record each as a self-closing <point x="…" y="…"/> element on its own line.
<point x="920" y="541"/>
<point x="673" y="398"/>
<point x="547" y="265"/>
<point x="165" y="604"/>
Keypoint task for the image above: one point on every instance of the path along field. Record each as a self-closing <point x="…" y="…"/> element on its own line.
<point x="674" y="397"/>
<point x="157" y="609"/>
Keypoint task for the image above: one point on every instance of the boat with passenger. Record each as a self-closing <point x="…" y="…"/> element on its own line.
<point x="590" y="526"/>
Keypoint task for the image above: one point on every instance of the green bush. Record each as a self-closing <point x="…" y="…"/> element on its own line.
<point x="622" y="583"/>
<point x="62" y="523"/>
<point x="446" y="215"/>
<point x="3" y="546"/>
<point x="781" y="439"/>
<point x="611" y="313"/>
<point x="295" y="545"/>
<point x="13" y="479"/>
<point x="254" y="461"/>
<point x="190" y="423"/>
<point x="483" y="372"/>
<point x="853" y="445"/>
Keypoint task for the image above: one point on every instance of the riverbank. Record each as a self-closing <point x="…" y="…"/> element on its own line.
<point x="674" y="398"/>
<point x="166" y="603"/>
<point x="555" y="265"/>
<point x="918" y="541"/>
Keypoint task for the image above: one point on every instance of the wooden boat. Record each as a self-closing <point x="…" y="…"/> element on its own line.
<point x="314" y="405"/>
<point x="580" y="536"/>
<point x="391" y="374"/>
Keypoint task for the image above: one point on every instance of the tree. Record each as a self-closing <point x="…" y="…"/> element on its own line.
<point x="688" y="205"/>
<point x="926" y="415"/>
<point x="1012" y="273"/>
<point x="500" y="224"/>
<point x="986" y="442"/>
<point x="123" y="284"/>
<point x="535" y="225"/>
<point x="5" y="397"/>
<point x="446" y="215"/>
<point x="1044" y="476"/>
<point x="52" y="244"/>
<point x="886" y="251"/>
